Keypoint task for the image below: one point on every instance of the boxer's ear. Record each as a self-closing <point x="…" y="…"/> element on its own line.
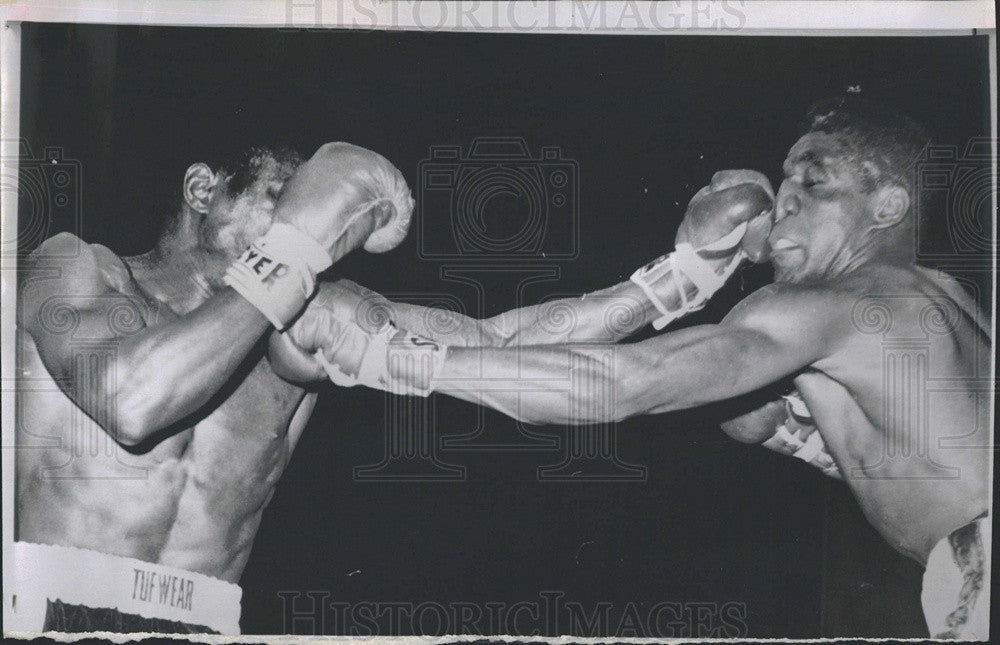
<point x="199" y="180"/>
<point x="890" y="204"/>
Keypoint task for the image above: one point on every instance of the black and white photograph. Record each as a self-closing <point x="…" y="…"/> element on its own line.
<point x="537" y="321"/>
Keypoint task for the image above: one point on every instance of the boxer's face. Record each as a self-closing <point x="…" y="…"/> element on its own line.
<point x="234" y="221"/>
<point x="821" y="212"/>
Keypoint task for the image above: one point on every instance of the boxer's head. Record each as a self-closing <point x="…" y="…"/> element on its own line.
<point x="227" y="204"/>
<point x="849" y="193"/>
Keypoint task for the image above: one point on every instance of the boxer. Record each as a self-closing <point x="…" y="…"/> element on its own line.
<point x="151" y="428"/>
<point x="847" y="292"/>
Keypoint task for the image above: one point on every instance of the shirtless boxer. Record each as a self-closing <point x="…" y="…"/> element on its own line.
<point x="859" y="327"/>
<point x="151" y="429"/>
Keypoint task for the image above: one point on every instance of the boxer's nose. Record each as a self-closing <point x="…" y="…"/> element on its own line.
<point x="788" y="204"/>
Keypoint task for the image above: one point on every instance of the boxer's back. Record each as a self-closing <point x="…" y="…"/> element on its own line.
<point x="190" y="497"/>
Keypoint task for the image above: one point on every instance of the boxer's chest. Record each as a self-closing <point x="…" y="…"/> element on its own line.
<point x="246" y="425"/>
<point x="248" y="415"/>
<point x="240" y="433"/>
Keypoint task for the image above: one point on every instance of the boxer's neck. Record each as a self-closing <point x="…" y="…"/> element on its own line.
<point x="178" y="271"/>
<point x="870" y="250"/>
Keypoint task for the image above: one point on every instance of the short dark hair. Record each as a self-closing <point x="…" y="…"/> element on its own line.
<point x="244" y="166"/>
<point x="884" y="136"/>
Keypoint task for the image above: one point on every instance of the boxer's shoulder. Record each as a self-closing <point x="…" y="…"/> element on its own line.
<point x="69" y="270"/>
<point x="789" y="301"/>
<point x="808" y="317"/>
<point x="68" y="260"/>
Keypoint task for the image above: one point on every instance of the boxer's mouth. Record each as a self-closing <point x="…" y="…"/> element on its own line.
<point x="783" y="244"/>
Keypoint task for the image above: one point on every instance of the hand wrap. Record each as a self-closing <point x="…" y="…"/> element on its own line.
<point x="788" y="437"/>
<point x="277" y="273"/>
<point x="686" y="261"/>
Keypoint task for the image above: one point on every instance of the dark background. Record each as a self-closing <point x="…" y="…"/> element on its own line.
<point x="648" y="120"/>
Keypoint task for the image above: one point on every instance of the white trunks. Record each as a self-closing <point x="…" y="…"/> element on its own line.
<point x="65" y="589"/>
<point x="956" y="588"/>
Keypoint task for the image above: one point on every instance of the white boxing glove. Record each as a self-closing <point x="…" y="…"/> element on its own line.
<point x="336" y="339"/>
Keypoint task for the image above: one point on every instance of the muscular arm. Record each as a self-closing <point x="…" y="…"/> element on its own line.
<point x="137" y="378"/>
<point x="731" y="203"/>
<point x="607" y="315"/>
<point x="774" y="333"/>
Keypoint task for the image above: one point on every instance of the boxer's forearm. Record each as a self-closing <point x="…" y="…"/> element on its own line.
<point x="607" y="315"/>
<point x="533" y="384"/>
<point x="578" y="385"/>
<point x="167" y="372"/>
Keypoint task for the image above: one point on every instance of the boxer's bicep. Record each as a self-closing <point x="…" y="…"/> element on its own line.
<point x="699" y="365"/>
<point x="771" y="335"/>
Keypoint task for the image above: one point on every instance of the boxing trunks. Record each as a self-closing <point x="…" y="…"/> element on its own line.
<point x="956" y="586"/>
<point x="66" y="589"/>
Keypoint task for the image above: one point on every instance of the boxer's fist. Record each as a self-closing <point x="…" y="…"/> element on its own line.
<point x="338" y="320"/>
<point x="734" y="197"/>
<point x="346" y="334"/>
<point x="346" y="196"/>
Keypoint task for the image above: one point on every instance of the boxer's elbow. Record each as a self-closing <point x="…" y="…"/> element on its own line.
<point x="639" y="388"/>
<point x="133" y="403"/>
<point x="608" y="391"/>
<point x="741" y="431"/>
<point x="129" y="428"/>
<point x="131" y="418"/>
<point x="756" y="426"/>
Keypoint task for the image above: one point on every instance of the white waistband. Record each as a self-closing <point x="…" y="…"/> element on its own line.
<point x="75" y="576"/>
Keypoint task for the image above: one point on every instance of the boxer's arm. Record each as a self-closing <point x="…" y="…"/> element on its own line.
<point x="772" y="334"/>
<point x="773" y="427"/>
<point x="758" y="425"/>
<point x="158" y="373"/>
<point x="606" y="315"/>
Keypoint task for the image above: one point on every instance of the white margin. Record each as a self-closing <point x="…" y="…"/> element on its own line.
<point x="10" y="92"/>
<point x="720" y="17"/>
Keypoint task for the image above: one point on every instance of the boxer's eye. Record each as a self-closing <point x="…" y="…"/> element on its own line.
<point x="811" y="178"/>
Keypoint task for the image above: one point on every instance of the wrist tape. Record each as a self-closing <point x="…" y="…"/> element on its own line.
<point x="277" y="273"/>
<point x="812" y="449"/>
<point x="685" y="261"/>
